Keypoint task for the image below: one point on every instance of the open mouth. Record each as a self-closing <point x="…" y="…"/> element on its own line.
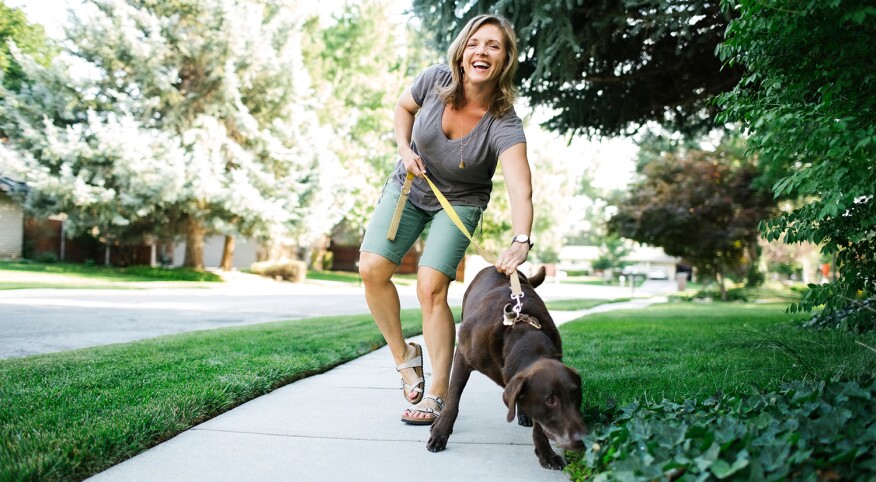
<point x="480" y="66"/>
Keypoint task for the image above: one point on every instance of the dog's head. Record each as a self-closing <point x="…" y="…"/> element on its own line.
<point x="550" y="393"/>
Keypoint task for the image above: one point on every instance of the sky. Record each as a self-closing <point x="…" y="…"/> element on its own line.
<point x="611" y="160"/>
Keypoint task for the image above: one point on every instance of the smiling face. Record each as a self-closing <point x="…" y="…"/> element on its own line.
<point x="484" y="56"/>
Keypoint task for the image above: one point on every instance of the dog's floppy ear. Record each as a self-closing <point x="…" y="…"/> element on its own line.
<point x="537" y="278"/>
<point x="576" y="378"/>
<point x="575" y="375"/>
<point x="513" y="391"/>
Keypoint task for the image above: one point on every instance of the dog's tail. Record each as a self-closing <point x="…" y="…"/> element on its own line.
<point x="537" y="278"/>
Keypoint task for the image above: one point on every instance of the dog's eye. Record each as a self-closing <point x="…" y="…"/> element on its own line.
<point x="551" y="401"/>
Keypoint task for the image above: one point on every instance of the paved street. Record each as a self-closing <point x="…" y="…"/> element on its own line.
<point x="50" y="320"/>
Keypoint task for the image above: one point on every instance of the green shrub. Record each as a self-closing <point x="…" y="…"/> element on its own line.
<point x="733" y="294"/>
<point x="289" y="270"/>
<point x="46" y="257"/>
<point x="171" y="274"/>
<point x="804" y="431"/>
<point x="855" y="317"/>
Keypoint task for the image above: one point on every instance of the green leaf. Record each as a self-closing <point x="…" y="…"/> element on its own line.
<point x="722" y="469"/>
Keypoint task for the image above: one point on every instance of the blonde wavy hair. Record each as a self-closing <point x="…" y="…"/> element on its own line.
<point x="503" y="98"/>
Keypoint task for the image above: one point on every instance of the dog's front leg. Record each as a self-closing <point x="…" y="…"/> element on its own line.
<point x="546" y="455"/>
<point x="443" y="426"/>
<point x="523" y="419"/>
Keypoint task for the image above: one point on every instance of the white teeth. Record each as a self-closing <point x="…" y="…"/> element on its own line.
<point x="481" y="64"/>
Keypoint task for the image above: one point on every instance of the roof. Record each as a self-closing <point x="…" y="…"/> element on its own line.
<point x="9" y="185"/>
<point x="579" y="253"/>
<point x="638" y="254"/>
<point x="650" y="254"/>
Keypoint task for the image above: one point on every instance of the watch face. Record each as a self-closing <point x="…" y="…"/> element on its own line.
<point x="521" y="238"/>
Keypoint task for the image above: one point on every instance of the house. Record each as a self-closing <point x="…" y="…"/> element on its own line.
<point x="646" y="260"/>
<point x="11" y="219"/>
<point x="652" y="262"/>
<point x="246" y="252"/>
<point x="578" y="258"/>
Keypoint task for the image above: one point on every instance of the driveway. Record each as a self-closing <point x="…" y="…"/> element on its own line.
<point x="51" y="320"/>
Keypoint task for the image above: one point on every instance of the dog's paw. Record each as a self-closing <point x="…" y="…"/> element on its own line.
<point x="523" y="419"/>
<point x="437" y="442"/>
<point x="551" y="460"/>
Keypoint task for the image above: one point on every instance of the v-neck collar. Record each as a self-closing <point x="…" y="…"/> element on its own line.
<point x="448" y="139"/>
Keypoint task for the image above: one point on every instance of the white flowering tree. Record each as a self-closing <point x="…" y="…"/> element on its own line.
<point x="191" y="117"/>
<point x="363" y="58"/>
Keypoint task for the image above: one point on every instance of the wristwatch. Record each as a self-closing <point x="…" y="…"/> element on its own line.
<point x="522" y="238"/>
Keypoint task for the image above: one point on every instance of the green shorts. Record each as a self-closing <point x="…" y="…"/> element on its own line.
<point x="445" y="244"/>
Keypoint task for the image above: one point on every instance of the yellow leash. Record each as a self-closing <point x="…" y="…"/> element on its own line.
<point x="516" y="291"/>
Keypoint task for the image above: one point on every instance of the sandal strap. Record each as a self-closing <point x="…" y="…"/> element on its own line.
<point x="424" y="409"/>
<point x="414" y="362"/>
<point x="415" y="387"/>
<point x="438" y="401"/>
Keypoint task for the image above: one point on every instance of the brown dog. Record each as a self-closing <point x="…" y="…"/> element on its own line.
<point x="522" y="358"/>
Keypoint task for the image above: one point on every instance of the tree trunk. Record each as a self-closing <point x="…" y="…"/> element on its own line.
<point x="194" y="244"/>
<point x="228" y="254"/>
<point x="720" y="276"/>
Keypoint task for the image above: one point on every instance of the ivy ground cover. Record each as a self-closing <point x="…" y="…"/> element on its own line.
<point x="711" y="392"/>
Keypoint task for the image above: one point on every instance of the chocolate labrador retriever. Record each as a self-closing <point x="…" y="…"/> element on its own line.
<point x="524" y="357"/>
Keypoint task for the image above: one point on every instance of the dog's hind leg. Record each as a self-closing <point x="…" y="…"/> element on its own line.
<point x="443" y="426"/>
<point x="523" y="419"/>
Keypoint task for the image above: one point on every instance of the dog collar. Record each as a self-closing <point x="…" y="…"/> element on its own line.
<point x="510" y="318"/>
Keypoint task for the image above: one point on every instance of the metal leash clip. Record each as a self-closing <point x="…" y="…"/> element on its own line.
<point x="510" y="315"/>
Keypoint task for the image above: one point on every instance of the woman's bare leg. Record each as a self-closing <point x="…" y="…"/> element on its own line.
<point x="382" y="298"/>
<point x="438" y="329"/>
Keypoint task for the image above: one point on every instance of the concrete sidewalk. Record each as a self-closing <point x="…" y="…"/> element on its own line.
<point x="344" y="425"/>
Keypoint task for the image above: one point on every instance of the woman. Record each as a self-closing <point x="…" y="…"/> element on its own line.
<point x="466" y="123"/>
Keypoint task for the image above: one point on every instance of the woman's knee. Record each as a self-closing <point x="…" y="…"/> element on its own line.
<point x="374" y="268"/>
<point x="432" y="289"/>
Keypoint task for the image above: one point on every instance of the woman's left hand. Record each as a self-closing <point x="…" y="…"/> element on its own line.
<point x="512" y="257"/>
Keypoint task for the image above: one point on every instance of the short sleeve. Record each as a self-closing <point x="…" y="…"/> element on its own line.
<point x="425" y="82"/>
<point x="509" y="132"/>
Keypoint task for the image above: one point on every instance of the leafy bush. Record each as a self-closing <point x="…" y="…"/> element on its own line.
<point x="289" y="270"/>
<point x="47" y="257"/>
<point x="174" y="274"/>
<point x="806" y="431"/>
<point x="856" y="317"/>
<point x="733" y="294"/>
<point x="810" y="120"/>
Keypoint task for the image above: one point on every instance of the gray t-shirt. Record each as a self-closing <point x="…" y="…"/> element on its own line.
<point x="467" y="186"/>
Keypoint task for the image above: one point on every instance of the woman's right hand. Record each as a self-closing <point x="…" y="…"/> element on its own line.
<point x="413" y="163"/>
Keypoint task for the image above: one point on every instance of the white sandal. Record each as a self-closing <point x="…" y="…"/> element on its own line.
<point x="425" y="407"/>
<point x="415" y="362"/>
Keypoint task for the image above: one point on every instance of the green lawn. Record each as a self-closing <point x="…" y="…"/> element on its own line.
<point x="684" y="350"/>
<point x="108" y="273"/>
<point x="708" y="391"/>
<point x="579" y="304"/>
<point x="33" y="285"/>
<point x="69" y="415"/>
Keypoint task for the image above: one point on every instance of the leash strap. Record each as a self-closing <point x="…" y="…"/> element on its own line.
<point x="399" y="207"/>
<point x="516" y="291"/>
